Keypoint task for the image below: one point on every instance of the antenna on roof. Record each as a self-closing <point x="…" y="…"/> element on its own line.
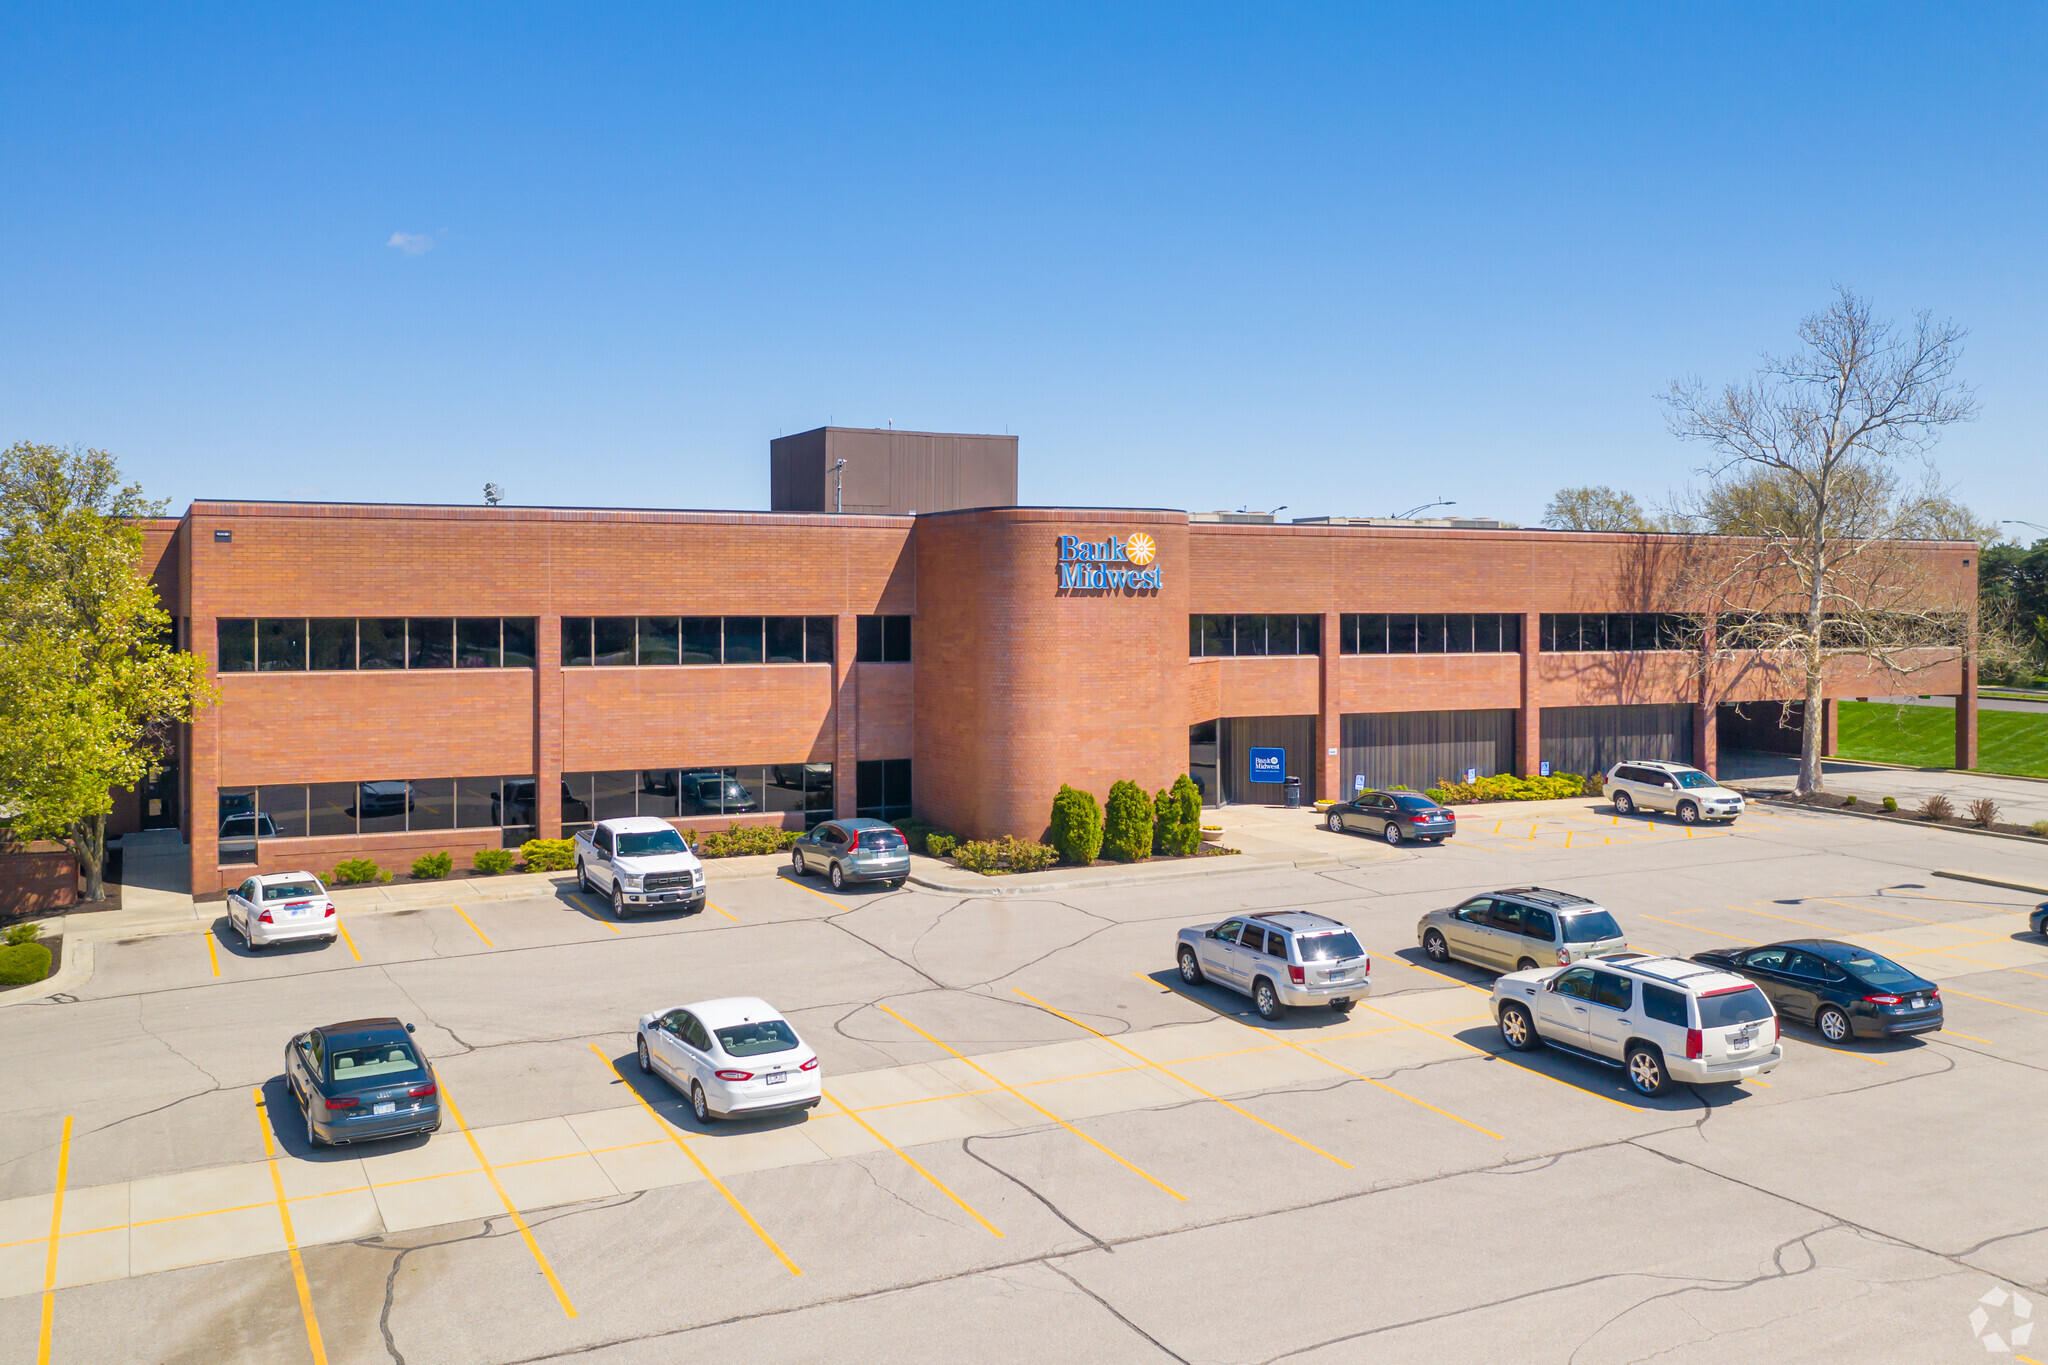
<point x="493" y="495"/>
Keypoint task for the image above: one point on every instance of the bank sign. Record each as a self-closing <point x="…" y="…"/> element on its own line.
<point x="1108" y="564"/>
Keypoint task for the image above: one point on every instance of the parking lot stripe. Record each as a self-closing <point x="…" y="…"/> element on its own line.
<point x="539" y="1257"/>
<point x="348" y="939"/>
<point x="1016" y="1093"/>
<point x="913" y="1163"/>
<point x="1167" y="1071"/>
<point x="723" y="911"/>
<point x="472" y="927"/>
<point x="792" y="881"/>
<point x="675" y="1136"/>
<point x="50" y="1260"/>
<point x="291" y="1241"/>
<point x="1696" y="928"/>
<point x="1310" y="1052"/>
<point x="2029" y="1009"/>
<point x="1906" y="949"/>
<point x="576" y="899"/>
<point x="212" y="952"/>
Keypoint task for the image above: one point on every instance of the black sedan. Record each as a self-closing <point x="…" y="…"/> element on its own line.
<point x="1842" y="990"/>
<point x="360" y="1081"/>
<point x="2038" y="921"/>
<point x="1393" y="816"/>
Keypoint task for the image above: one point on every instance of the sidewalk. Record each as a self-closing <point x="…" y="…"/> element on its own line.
<point x="2021" y="800"/>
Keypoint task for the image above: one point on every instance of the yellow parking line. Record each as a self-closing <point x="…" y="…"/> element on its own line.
<point x="1014" y="1092"/>
<point x="50" y="1261"/>
<point x="792" y="881"/>
<point x="729" y="915"/>
<point x="212" y="952"/>
<point x="914" y="1164"/>
<point x="472" y="927"/>
<point x="1164" y="1070"/>
<point x="1967" y="1038"/>
<point x="526" y="1232"/>
<point x="1309" y="1052"/>
<point x="576" y="899"/>
<point x="1905" y="948"/>
<point x="347" y="938"/>
<point x="291" y="1241"/>
<point x="2029" y="1009"/>
<point x="676" y="1137"/>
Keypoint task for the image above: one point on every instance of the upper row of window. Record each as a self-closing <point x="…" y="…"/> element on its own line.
<point x="623" y="641"/>
<point x="294" y="644"/>
<point x="1254" y="635"/>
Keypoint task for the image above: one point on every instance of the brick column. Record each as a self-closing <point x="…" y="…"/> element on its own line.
<point x="1966" y="713"/>
<point x="1329" y="769"/>
<point x="548" y="706"/>
<point x="845" y="719"/>
<point x="1529" y="720"/>
<point x="1706" y="738"/>
<point x="1830" y="717"/>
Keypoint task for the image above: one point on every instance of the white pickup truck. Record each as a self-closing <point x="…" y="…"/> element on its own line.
<point x="637" y="862"/>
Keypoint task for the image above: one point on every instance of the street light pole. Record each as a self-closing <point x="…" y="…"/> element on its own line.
<point x="1403" y="516"/>
<point x="838" y="486"/>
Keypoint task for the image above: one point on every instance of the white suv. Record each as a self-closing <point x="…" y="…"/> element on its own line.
<point x="1658" y="1018"/>
<point x="1686" y="792"/>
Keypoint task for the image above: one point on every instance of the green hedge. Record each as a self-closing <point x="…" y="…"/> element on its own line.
<point x="1508" y="787"/>
<point x="1076" y="826"/>
<point x="1177" y="822"/>
<point x="24" y="964"/>
<point x="1127" y="823"/>
<point x="492" y="861"/>
<point x="743" y="842"/>
<point x="939" y="845"/>
<point x="548" y="855"/>
<point x="358" y="872"/>
<point x="919" y="835"/>
<point x="429" y="867"/>
<point x="992" y="857"/>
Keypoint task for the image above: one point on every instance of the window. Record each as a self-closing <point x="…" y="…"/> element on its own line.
<point x="1254" y="635"/>
<point x="324" y="810"/>
<point x="1611" y="989"/>
<point x="819" y="633"/>
<point x="433" y="804"/>
<point x="1335" y="946"/>
<point x="1734" y="1005"/>
<point x="286" y="807"/>
<point x="657" y="640"/>
<point x="688" y="793"/>
<point x="611" y="640"/>
<point x="743" y="640"/>
<point x="613" y="795"/>
<point x="755" y="1039"/>
<point x="381" y="807"/>
<point x="576" y="642"/>
<point x="430" y="642"/>
<point x="1227" y="931"/>
<point x="661" y="641"/>
<point x="1538" y="924"/>
<point x="700" y="640"/>
<point x="1664" y="1005"/>
<point x="1254" y="938"/>
<point x="331" y="809"/>
<point x="281" y="644"/>
<point x="333" y="645"/>
<point x="478" y="642"/>
<point x="882" y="640"/>
<point x="519" y="644"/>
<point x="1475" y="910"/>
<point x="785" y="639"/>
<point x="1590" y="926"/>
<point x="345" y="644"/>
<point x="237" y="649"/>
<point x="1400" y="634"/>
<point x="478" y="803"/>
<point x="882" y="789"/>
<point x="1580" y="632"/>
<point x="694" y="1034"/>
<point x="1576" y="983"/>
<point x="383" y="642"/>
<point x="1506" y="917"/>
<point x="237" y="825"/>
<point x="1456" y="633"/>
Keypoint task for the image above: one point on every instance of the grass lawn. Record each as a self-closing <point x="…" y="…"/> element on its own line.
<point x="1925" y="737"/>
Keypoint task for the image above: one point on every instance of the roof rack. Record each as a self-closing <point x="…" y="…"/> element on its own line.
<point x="1277" y="914"/>
<point x="1555" y="899"/>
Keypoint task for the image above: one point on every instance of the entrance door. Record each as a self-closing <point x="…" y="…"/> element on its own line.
<point x="159" y="797"/>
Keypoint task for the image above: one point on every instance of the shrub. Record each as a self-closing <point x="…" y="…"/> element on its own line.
<point x="939" y="845"/>
<point x="23" y="933"/>
<point x="429" y="867"/>
<point x="358" y="872"/>
<point x="991" y="857"/>
<point x="1177" y="824"/>
<point x="1595" y="784"/>
<point x="746" y="841"/>
<point x="548" y="855"/>
<point x="1127" y="823"/>
<point x="1937" y="807"/>
<point x="1076" y="827"/>
<point x="1891" y="803"/>
<point x="23" y="964"/>
<point x="1983" y="812"/>
<point x="1849" y="800"/>
<point x="492" y="861"/>
<point x="1507" y="787"/>
<point x="919" y="835"/>
<point x="2040" y="827"/>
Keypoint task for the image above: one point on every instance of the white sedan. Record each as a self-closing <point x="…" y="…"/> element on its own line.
<point x="734" y="1058"/>
<point x="281" y="907"/>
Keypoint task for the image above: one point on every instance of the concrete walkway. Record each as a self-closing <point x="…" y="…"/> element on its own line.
<point x="2021" y="800"/>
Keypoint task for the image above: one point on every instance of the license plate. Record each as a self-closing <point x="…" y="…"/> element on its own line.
<point x="777" y="1077"/>
<point x="1743" y="1039"/>
<point x="1916" y="1003"/>
<point x="388" y="1107"/>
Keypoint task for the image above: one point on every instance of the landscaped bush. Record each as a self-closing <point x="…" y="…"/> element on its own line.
<point x="1127" y="823"/>
<point x="492" y="861"/>
<point x="746" y="841"/>
<point x="1177" y="822"/>
<point x="1849" y="800"/>
<point x="2040" y="827"/>
<point x="23" y="933"/>
<point x="1891" y="803"/>
<point x="429" y="867"/>
<point x="1983" y="812"/>
<point x="1937" y="807"/>
<point x="23" y="964"/>
<point x="358" y="872"/>
<point x="1595" y="784"/>
<point x="1507" y="787"/>
<point x="939" y="845"/>
<point x="991" y="857"/>
<point x="1076" y="827"/>
<point x="920" y="833"/>
<point x="548" y="855"/>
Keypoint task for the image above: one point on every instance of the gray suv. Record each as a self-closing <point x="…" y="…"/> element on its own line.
<point x="1521" y="928"/>
<point x="1278" y="958"/>
<point x="853" y="851"/>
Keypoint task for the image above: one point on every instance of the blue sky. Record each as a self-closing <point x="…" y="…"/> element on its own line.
<point x="1342" y="258"/>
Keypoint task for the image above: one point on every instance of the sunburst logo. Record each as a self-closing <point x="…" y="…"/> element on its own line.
<point x="1140" y="548"/>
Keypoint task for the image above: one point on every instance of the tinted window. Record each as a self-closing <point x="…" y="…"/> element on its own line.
<point x="430" y="642"/>
<point x="330" y="808"/>
<point x="1371" y="634"/>
<point x="1769" y="959"/>
<point x="700" y="640"/>
<point x="611" y="640"/>
<point x="818" y="635"/>
<point x="433" y="804"/>
<point x="694" y="1034"/>
<point x="237" y="651"/>
<point x="286" y="808"/>
<point x="1414" y="803"/>
<point x="1611" y="989"/>
<point x="476" y="803"/>
<point x="658" y="793"/>
<point x="1539" y="924"/>
<point x="518" y="633"/>
<point x="383" y="642"/>
<point x="1506" y="916"/>
<point x="380" y="806"/>
<point x="367" y="1065"/>
<point x="1719" y="1009"/>
<point x="896" y="639"/>
<point x="644" y="843"/>
<point x="575" y="641"/>
<point x="785" y="639"/>
<point x="1874" y="970"/>
<point x="333" y="644"/>
<point x="752" y="1040"/>
<point x="291" y="891"/>
<point x="1590" y="927"/>
<point x="1333" y="947"/>
<point x="612" y="795"/>
<point x="281" y="644"/>
<point x="1400" y="635"/>
<point x="657" y="640"/>
<point x="1806" y="965"/>
<point x="1664" y="1005"/>
<point x="476" y="642"/>
<point x="1577" y="983"/>
<point x="743" y="639"/>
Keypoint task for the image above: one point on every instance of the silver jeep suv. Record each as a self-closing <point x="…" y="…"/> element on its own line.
<point x="1278" y="958"/>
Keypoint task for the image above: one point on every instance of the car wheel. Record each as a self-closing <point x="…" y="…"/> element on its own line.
<point x="1646" y="1071"/>
<point x="697" y="1104"/>
<point x="1833" y="1024"/>
<point x="646" y="1062"/>
<point x="618" y="902"/>
<point x="1688" y="813"/>
<point x="1336" y="823"/>
<point x="796" y="862"/>
<point x="1624" y="804"/>
<point x="1527" y="964"/>
<point x="1517" y="1030"/>
<point x="1434" y="945"/>
<point x="1267" y="1000"/>
<point x="838" y="878"/>
<point x="583" y="880"/>
<point x="1392" y="833"/>
<point x="312" y="1133"/>
<point x="1190" y="970"/>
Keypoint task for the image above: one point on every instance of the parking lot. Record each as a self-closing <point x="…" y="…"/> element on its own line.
<point x="1037" y="1143"/>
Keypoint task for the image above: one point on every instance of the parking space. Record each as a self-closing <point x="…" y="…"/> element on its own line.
<point x="1023" y="1103"/>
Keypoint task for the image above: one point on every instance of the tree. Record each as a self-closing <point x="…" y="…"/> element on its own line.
<point x="1177" y="818"/>
<point x="1127" y="823"/>
<point x="89" y="684"/>
<point x="1076" y="826"/>
<point x="1808" y="467"/>
<point x="1595" y="507"/>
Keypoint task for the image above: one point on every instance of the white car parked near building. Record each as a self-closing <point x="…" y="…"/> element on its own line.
<point x="733" y="1058"/>
<point x="281" y="907"/>
<point x="639" y="861"/>
<point x="1686" y="792"/>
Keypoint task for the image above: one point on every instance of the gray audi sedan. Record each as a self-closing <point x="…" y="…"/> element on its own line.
<point x="360" y="1081"/>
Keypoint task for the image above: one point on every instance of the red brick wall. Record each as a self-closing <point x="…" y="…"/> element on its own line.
<point x="361" y="727"/>
<point x="883" y="710"/>
<point x="36" y="882"/>
<point x="617" y="718"/>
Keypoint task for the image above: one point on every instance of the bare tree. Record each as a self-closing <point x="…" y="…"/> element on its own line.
<point x="1595" y="507"/>
<point x="1809" y="469"/>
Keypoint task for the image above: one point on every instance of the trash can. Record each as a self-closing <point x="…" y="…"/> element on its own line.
<point x="1294" y="793"/>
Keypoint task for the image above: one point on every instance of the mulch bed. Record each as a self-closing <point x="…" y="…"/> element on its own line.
<point x="1864" y="806"/>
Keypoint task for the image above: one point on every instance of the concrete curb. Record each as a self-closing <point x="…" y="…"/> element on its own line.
<point x="76" y="971"/>
<point x="2034" y="839"/>
<point x="2035" y="888"/>
<point x="1139" y="875"/>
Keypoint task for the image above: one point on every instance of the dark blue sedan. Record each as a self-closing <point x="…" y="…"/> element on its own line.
<point x="360" y="1081"/>
<point x="1843" y="991"/>
<point x="2038" y="921"/>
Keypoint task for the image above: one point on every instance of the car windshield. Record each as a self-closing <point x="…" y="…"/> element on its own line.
<point x="291" y="891"/>
<point x="374" y="1062"/>
<point x="1590" y="927"/>
<point x="1414" y="803"/>
<point x="639" y="845"/>
<point x="1692" y="778"/>
<point x="1876" y="971"/>
<point x="751" y="1040"/>
<point x="1723" y="1008"/>
<point x="1329" y="947"/>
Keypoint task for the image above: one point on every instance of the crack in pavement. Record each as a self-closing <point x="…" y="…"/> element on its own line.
<point x="1111" y="1309"/>
<point x="966" y="1146"/>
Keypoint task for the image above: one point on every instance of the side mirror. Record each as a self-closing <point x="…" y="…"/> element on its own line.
<point x="408" y="1028"/>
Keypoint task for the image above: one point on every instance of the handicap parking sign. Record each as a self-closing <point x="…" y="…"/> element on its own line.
<point x="1269" y="765"/>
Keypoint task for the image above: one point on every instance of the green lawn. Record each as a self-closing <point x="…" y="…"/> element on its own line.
<point x="1925" y="737"/>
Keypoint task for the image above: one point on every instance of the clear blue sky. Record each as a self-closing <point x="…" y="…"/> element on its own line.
<point x="1344" y="258"/>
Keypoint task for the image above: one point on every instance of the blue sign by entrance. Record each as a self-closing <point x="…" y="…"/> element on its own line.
<point x="1269" y="765"/>
<point x="1358" y="782"/>
<point x="1543" y="768"/>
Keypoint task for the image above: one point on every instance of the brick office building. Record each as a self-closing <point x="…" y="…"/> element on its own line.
<point x="398" y="680"/>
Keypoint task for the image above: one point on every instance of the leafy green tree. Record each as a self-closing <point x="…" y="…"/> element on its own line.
<point x="90" y="685"/>
<point x="1076" y="826"/>
<point x="1127" y="825"/>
